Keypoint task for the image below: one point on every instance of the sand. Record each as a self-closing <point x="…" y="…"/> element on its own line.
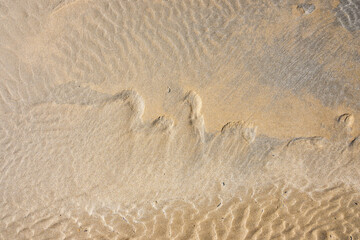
<point x="169" y="119"/>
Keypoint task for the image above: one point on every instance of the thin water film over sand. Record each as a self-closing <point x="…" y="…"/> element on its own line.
<point x="170" y="119"/>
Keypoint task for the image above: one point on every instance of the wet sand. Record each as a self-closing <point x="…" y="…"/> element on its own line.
<point x="179" y="119"/>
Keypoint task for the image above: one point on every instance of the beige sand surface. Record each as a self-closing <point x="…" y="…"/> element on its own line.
<point x="194" y="119"/>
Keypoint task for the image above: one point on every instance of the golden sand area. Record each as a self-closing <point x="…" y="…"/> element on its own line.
<point x="166" y="119"/>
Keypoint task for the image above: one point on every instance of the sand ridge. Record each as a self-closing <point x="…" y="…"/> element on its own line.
<point x="105" y="145"/>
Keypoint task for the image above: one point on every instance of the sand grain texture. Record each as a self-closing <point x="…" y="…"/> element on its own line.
<point x="179" y="119"/>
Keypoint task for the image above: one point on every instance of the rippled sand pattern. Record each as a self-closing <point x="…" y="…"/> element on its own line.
<point x="348" y="14"/>
<point x="179" y="119"/>
<point x="276" y="213"/>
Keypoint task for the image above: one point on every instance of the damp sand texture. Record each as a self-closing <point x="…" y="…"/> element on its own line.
<point x="173" y="119"/>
